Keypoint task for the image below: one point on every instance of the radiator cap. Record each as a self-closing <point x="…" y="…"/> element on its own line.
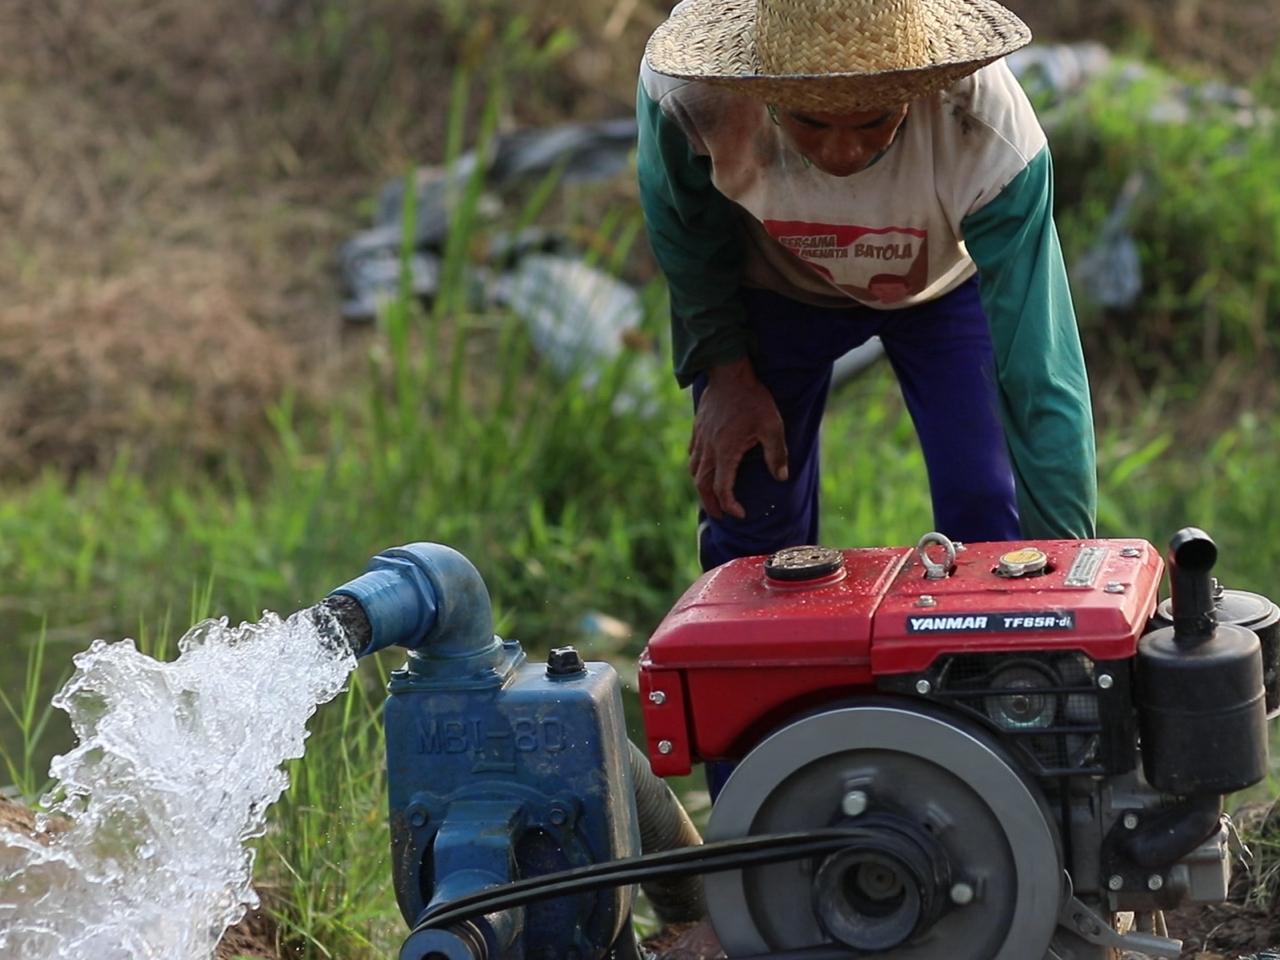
<point x="803" y="563"/>
<point x="1022" y="562"/>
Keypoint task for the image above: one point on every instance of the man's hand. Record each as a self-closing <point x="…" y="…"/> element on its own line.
<point x="736" y="412"/>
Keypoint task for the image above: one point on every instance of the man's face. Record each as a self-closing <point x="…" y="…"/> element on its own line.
<point x="841" y="144"/>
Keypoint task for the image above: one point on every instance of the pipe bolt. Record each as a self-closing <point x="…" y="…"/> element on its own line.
<point x="565" y="662"/>
<point x="1130" y="821"/>
<point x="559" y="814"/>
<point x="1155" y="882"/>
<point x="1115" y="882"/>
<point x="418" y="815"/>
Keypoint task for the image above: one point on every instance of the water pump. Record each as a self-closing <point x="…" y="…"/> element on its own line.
<point x="497" y="768"/>
<point x="502" y="770"/>
<point x="971" y="752"/>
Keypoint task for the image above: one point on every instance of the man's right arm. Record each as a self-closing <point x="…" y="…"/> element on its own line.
<point x="698" y="241"/>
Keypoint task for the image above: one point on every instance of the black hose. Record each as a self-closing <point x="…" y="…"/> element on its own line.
<point x="665" y="825"/>
<point x="1173" y="833"/>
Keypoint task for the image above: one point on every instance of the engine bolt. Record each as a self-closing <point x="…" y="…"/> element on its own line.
<point x="665" y="747"/>
<point x="961" y="894"/>
<point x="559" y="815"/>
<point x="1131" y="553"/>
<point x="1115" y="882"/>
<point x="1155" y="882"/>
<point x="657" y="697"/>
<point x="1115" y="586"/>
<point x="926" y="600"/>
<point x="854" y="803"/>
<point x="417" y="815"/>
<point x="1130" y="821"/>
<point x="924" y="687"/>
<point x="1106" y="681"/>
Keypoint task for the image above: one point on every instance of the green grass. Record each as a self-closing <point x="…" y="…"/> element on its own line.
<point x="1206" y="222"/>
<point x="457" y="433"/>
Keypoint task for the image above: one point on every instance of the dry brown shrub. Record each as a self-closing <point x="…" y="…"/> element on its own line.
<point x="162" y="279"/>
<point x="166" y="360"/>
<point x="176" y="174"/>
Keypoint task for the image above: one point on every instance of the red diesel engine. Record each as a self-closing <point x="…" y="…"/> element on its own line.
<point x="1024" y="743"/>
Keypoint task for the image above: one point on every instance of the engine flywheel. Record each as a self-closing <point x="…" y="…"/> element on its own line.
<point x="955" y="857"/>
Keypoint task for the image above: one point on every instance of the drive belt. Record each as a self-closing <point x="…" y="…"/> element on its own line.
<point x="716" y="857"/>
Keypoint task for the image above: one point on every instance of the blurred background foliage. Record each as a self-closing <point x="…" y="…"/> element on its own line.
<point x="188" y="427"/>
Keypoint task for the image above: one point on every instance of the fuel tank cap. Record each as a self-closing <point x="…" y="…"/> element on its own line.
<point x="803" y="563"/>
<point x="1023" y="562"/>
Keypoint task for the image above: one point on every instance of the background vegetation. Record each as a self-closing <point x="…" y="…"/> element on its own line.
<point x="187" y="427"/>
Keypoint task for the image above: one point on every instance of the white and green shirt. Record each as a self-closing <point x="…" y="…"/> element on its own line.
<point x="965" y="187"/>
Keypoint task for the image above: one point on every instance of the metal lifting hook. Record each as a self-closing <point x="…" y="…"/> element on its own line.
<point x="932" y="569"/>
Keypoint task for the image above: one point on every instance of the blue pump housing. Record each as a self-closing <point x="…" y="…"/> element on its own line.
<point x="498" y="769"/>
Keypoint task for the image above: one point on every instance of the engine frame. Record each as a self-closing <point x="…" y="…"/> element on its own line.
<point x="1038" y="642"/>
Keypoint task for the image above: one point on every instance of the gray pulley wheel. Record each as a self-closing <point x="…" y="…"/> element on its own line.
<point x="949" y="785"/>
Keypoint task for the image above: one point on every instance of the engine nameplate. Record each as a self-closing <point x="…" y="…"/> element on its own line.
<point x="977" y="609"/>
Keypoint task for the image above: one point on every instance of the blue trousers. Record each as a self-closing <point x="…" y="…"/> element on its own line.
<point x="942" y="356"/>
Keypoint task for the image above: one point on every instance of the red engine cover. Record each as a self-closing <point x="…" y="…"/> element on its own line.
<point x="740" y="651"/>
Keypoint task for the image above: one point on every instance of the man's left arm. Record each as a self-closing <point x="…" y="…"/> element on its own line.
<point x="1043" y="387"/>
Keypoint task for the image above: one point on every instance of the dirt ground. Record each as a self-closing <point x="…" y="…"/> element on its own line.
<point x="1218" y="932"/>
<point x="254" y="936"/>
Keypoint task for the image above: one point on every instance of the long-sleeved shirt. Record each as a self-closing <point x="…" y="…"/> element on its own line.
<point x="966" y="186"/>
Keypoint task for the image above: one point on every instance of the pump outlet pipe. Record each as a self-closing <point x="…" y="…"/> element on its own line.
<point x="425" y="597"/>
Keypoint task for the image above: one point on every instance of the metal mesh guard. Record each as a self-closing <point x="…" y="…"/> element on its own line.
<point x="1046" y="703"/>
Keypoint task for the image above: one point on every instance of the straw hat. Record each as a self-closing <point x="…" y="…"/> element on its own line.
<point x="833" y="56"/>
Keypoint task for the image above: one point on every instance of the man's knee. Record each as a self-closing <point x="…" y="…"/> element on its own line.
<point x="720" y="541"/>
<point x="978" y="513"/>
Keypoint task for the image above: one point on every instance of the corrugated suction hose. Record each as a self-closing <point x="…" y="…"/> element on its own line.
<point x="665" y="825"/>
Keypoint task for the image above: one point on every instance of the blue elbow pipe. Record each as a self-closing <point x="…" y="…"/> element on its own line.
<point x="425" y="597"/>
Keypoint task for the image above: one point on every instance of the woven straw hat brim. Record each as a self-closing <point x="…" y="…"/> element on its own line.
<point x="714" y="41"/>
